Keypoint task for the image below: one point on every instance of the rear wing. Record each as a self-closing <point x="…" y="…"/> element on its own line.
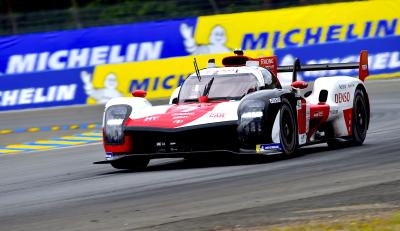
<point x="271" y="62"/>
<point x="362" y="66"/>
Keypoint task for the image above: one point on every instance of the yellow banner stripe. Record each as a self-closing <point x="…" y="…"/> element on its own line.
<point x="74" y="126"/>
<point x="33" y="129"/>
<point x="91" y="125"/>
<point x="79" y="138"/>
<point x="24" y="146"/>
<point x="384" y="76"/>
<point x="92" y="134"/>
<point x="5" y="131"/>
<point x="9" y="151"/>
<point x="58" y="142"/>
<point x="55" y="128"/>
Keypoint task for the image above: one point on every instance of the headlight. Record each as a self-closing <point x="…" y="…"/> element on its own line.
<point x="252" y="114"/>
<point x="114" y="121"/>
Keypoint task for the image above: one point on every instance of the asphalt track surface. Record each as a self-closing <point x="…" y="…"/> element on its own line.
<point x="61" y="190"/>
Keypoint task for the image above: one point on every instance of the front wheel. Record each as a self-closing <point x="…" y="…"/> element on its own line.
<point x="288" y="128"/>
<point x="135" y="164"/>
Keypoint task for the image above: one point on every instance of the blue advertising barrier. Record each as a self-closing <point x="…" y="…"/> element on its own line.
<point x="74" y="86"/>
<point x="383" y="56"/>
<point x="61" y="50"/>
<point x="43" y="89"/>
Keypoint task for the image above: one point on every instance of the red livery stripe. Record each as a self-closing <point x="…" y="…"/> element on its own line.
<point x="176" y="116"/>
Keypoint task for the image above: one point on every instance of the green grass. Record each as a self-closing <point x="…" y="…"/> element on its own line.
<point x="388" y="222"/>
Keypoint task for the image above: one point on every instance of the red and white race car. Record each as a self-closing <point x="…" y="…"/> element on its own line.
<point x="240" y="108"/>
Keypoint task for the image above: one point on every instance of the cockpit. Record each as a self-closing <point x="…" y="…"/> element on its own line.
<point x="228" y="87"/>
<point x="223" y="86"/>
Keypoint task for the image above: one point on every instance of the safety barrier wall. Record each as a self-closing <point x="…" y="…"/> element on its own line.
<point x="94" y="64"/>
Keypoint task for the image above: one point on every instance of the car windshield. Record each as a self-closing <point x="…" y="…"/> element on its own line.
<point x="231" y="86"/>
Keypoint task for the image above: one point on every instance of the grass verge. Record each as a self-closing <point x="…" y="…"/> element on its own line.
<point x="382" y="222"/>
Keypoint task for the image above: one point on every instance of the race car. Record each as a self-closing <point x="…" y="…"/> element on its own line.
<point x="239" y="108"/>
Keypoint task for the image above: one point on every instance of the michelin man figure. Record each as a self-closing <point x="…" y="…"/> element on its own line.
<point x="101" y="95"/>
<point x="216" y="40"/>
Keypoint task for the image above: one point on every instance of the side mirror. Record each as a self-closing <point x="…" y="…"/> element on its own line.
<point x="299" y="84"/>
<point x="203" y="99"/>
<point x="139" y="93"/>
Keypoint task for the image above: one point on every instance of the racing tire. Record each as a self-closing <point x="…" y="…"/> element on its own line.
<point x="360" y="118"/>
<point x="288" y="128"/>
<point x="136" y="164"/>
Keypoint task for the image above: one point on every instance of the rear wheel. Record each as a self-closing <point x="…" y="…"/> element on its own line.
<point x="288" y="128"/>
<point x="135" y="164"/>
<point x="360" y="118"/>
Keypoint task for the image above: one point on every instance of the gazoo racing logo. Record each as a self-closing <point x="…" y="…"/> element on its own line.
<point x="342" y="97"/>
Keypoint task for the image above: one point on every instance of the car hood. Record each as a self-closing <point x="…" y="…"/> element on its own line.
<point x="184" y="115"/>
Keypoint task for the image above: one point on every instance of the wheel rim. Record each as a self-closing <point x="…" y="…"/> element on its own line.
<point x="287" y="129"/>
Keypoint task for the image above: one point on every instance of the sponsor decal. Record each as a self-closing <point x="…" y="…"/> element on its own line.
<point x="302" y="138"/>
<point x="275" y="100"/>
<point x="298" y="105"/>
<point x="274" y="147"/>
<point x="217" y="115"/>
<point x="318" y="114"/>
<point x="109" y="155"/>
<point x="342" y="97"/>
<point x="150" y="118"/>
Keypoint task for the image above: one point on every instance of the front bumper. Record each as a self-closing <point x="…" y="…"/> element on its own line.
<point x="209" y="139"/>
